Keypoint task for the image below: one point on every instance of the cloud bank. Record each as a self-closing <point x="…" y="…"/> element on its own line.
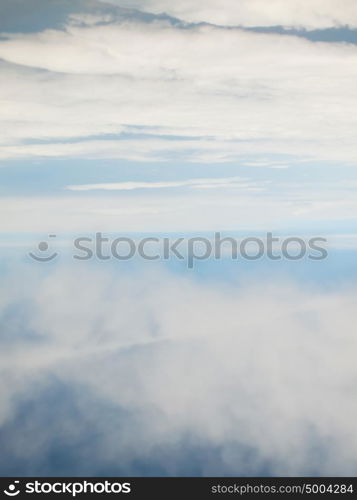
<point x="147" y="89"/>
<point x="259" y="378"/>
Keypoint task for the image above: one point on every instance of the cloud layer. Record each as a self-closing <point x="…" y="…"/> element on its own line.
<point x="267" y="370"/>
<point x="217" y="94"/>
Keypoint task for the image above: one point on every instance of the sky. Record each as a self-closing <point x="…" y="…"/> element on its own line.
<point x="160" y="118"/>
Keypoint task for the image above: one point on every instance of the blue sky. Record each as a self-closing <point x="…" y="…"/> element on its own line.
<point x="170" y="118"/>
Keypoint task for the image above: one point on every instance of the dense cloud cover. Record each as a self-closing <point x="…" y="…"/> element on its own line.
<point x="153" y="369"/>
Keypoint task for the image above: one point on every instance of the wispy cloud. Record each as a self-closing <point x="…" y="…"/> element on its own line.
<point x="214" y="183"/>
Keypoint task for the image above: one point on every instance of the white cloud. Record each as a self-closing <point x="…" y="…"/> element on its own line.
<point x="214" y="183"/>
<point x="309" y="14"/>
<point x="223" y="91"/>
<point x="267" y="367"/>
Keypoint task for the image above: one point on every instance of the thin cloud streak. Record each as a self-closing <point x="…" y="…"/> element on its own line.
<point x="227" y="182"/>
